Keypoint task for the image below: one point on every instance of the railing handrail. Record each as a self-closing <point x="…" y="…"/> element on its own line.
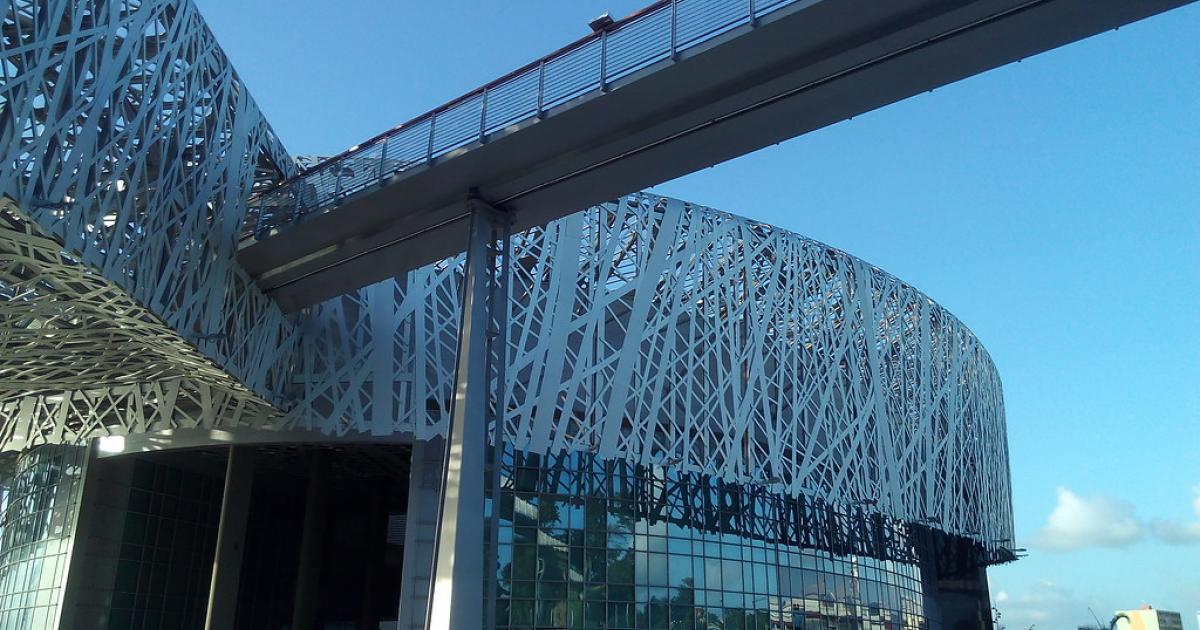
<point x="369" y="142"/>
<point x="561" y="76"/>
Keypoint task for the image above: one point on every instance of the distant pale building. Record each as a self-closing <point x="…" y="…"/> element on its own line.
<point x="1149" y="618"/>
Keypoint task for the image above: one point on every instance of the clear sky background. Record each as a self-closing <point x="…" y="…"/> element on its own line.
<point x="1053" y="205"/>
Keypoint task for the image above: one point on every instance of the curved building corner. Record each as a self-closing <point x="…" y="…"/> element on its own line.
<point x="707" y="422"/>
<point x="644" y="415"/>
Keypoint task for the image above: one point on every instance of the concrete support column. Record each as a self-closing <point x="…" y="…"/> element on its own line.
<point x="97" y="548"/>
<point x="420" y="532"/>
<point x="231" y="539"/>
<point x="312" y="539"/>
<point x="927" y="560"/>
<point x="458" y="565"/>
<point x="957" y="601"/>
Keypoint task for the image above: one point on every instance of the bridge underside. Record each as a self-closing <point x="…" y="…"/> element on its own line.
<point x="802" y="68"/>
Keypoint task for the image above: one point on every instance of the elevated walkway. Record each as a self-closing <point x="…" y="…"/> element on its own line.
<point x="677" y="87"/>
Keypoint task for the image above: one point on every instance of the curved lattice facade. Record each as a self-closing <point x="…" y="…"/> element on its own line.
<point x="664" y="333"/>
<point x="128" y="149"/>
<point x="703" y="421"/>
<point x="644" y="329"/>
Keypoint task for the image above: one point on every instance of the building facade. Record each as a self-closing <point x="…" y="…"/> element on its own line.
<point x="1148" y="618"/>
<point x="689" y="419"/>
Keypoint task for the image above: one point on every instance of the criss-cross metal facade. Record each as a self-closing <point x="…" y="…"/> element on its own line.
<point x="645" y="329"/>
<point x="129" y="148"/>
<point x="81" y="358"/>
<point x="680" y="340"/>
<point x="670" y="334"/>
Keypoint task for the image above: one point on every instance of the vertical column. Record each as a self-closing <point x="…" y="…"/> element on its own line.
<point x="420" y="532"/>
<point x="231" y="538"/>
<point x="927" y="559"/>
<point x="97" y="548"/>
<point x="984" y="600"/>
<point x="308" y="569"/>
<point x="456" y="599"/>
<point x="501" y="304"/>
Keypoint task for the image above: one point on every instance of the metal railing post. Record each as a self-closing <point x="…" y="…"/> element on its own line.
<point x="256" y="227"/>
<point x="483" y="116"/>
<point x="337" y="184"/>
<point x="383" y="155"/>
<point x="674" y="22"/>
<point x="604" y="60"/>
<point x="297" y="209"/>
<point x="753" y="18"/>
<point x="541" y="87"/>
<point x="429" y="147"/>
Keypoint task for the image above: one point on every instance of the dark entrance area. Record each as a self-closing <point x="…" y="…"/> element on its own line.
<point x="318" y="544"/>
<point x="324" y="538"/>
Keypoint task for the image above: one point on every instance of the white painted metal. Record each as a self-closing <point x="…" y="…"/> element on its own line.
<point x="79" y="357"/>
<point x="646" y="329"/>
<point x="458" y="560"/>
<point x="129" y="140"/>
<point x="669" y="333"/>
<point x="231" y="538"/>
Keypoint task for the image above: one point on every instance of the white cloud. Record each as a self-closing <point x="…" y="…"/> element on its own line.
<point x="1045" y="605"/>
<point x="1176" y="533"/>
<point x="1097" y="521"/>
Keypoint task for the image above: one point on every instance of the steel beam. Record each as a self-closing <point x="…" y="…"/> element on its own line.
<point x="231" y="539"/>
<point x="458" y="562"/>
<point x="420" y="532"/>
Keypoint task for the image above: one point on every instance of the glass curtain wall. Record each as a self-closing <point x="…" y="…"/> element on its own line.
<point x="39" y="504"/>
<point x="166" y="552"/>
<point x="585" y="543"/>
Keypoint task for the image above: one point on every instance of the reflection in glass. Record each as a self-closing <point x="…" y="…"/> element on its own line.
<point x="39" y="499"/>
<point x="621" y="546"/>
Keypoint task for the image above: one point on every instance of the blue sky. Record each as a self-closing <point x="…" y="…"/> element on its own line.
<point x="1053" y="205"/>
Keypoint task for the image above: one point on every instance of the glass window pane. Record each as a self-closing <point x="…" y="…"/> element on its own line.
<point x="658" y="575"/>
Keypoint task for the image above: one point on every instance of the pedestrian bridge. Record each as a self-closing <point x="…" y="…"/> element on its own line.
<point x="677" y="87"/>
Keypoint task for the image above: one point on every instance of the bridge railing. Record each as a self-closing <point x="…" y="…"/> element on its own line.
<point x="660" y="31"/>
